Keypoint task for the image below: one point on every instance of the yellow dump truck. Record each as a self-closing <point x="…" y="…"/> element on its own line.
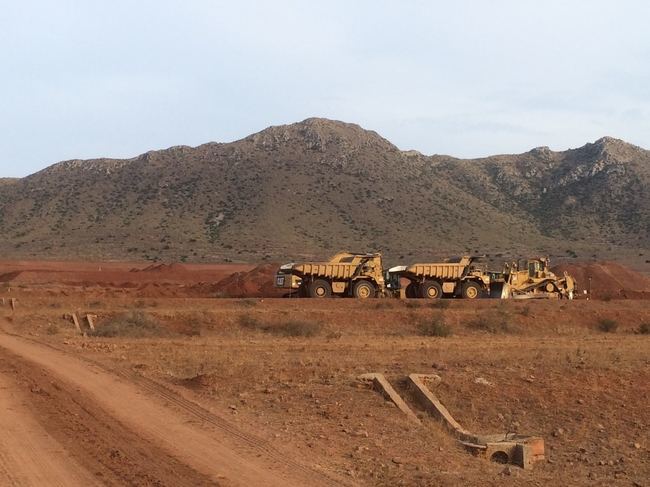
<point x="462" y="277"/>
<point x="346" y="274"/>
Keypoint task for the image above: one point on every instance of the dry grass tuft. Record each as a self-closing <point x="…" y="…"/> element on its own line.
<point x="291" y="328"/>
<point x="384" y="304"/>
<point x="435" y="327"/>
<point x="296" y="328"/>
<point x="440" y="303"/>
<point x="133" y="324"/>
<point x="494" y="321"/>
<point x="52" y="329"/>
<point x="607" y="325"/>
<point x="643" y="329"/>
<point x="248" y="302"/>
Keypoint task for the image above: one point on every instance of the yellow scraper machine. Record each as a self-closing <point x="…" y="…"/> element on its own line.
<point x="361" y="275"/>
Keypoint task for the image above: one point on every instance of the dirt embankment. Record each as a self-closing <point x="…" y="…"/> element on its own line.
<point x="256" y="283"/>
<point x="608" y="280"/>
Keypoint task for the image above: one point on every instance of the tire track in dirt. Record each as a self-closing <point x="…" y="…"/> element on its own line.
<point x="215" y="447"/>
<point x="28" y="455"/>
<point x="53" y="434"/>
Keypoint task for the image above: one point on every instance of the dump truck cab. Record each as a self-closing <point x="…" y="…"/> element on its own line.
<point x="351" y="274"/>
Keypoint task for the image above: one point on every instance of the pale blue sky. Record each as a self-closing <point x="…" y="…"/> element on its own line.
<point x="91" y="78"/>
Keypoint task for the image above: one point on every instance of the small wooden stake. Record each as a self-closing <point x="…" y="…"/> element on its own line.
<point x="75" y="320"/>
<point x="91" y="321"/>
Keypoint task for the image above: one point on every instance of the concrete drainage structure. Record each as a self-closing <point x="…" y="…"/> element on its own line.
<point x="512" y="448"/>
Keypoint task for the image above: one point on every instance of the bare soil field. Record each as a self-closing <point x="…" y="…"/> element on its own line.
<point x="186" y="388"/>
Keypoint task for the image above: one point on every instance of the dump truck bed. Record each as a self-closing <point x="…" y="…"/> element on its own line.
<point x="332" y="271"/>
<point x="444" y="270"/>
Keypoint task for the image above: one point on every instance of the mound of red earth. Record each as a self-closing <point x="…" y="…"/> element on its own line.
<point x="256" y="283"/>
<point x="167" y="268"/>
<point x="609" y="280"/>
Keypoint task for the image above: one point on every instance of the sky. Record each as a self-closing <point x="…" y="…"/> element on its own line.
<point x="115" y="78"/>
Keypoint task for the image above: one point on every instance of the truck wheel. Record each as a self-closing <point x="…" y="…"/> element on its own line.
<point x="431" y="290"/>
<point x="411" y="290"/>
<point x="470" y="290"/>
<point x="364" y="290"/>
<point x="320" y="289"/>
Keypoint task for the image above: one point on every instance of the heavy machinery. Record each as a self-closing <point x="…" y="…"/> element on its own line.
<point x="454" y="277"/>
<point x="361" y="275"/>
<point x="531" y="279"/>
<point x="346" y="274"/>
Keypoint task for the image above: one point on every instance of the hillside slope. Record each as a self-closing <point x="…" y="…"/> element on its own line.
<point x="311" y="188"/>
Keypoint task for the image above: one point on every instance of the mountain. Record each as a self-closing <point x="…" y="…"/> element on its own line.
<point x="314" y="187"/>
<point x="7" y="181"/>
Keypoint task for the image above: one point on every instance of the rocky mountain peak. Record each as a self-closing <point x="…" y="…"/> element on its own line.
<point x="320" y="134"/>
<point x="612" y="148"/>
<point x="543" y="152"/>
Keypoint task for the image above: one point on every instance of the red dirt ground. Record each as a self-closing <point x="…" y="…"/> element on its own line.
<point x="224" y="387"/>
<point x="609" y="280"/>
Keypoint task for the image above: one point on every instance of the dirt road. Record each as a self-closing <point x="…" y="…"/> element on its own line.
<point x="28" y="455"/>
<point x="78" y="424"/>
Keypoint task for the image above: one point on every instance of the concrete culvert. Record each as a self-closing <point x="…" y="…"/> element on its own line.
<point x="499" y="457"/>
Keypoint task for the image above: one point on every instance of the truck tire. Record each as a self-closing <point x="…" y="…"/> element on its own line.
<point x="320" y="288"/>
<point x="411" y="290"/>
<point x="364" y="290"/>
<point x="471" y="290"/>
<point x="431" y="290"/>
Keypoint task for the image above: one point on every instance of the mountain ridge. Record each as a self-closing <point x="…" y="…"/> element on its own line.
<point x="315" y="186"/>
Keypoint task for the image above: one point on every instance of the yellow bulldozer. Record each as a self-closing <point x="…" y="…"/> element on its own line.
<point x="531" y="279"/>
